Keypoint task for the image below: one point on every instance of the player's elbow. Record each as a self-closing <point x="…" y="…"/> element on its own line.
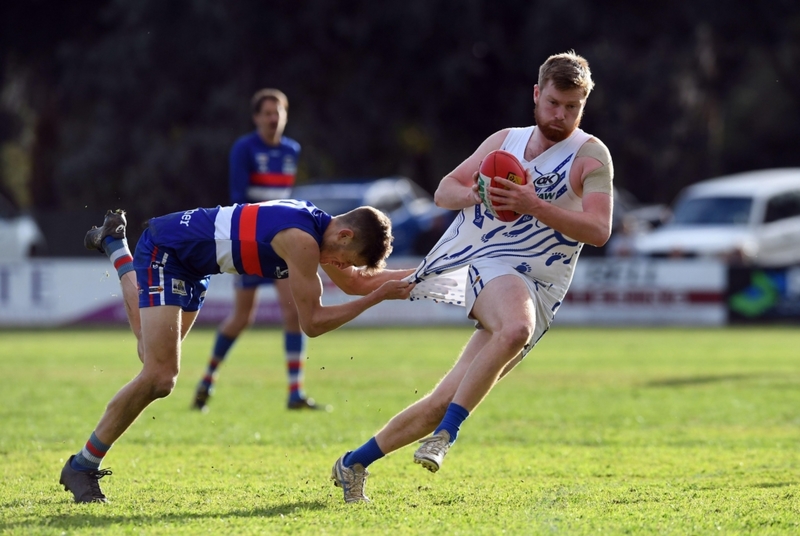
<point x="599" y="237"/>
<point x="353" y="290"/>
<point x="357" y="285"/>
<point x="443" y="196"/>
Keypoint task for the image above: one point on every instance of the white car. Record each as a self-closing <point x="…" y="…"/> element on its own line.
<point x="750" y="218"/>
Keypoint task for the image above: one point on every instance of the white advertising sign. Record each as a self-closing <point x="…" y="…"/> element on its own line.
<point x="59" y="292"/>
<point x="646" y="292"/>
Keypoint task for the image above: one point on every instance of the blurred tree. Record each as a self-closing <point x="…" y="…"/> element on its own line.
<point x="138" y="101"/>
<point x="30" y="32"/>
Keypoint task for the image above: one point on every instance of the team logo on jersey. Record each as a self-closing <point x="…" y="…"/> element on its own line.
<point x="546" y="186"/>
<point x="289" y="165"/>
<point x="179" y="287"/>
<point x="262" y="159"/>
<point x="547" y="180"/>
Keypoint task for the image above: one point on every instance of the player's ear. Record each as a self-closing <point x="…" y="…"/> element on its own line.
<point x="346" y="234"/>
<point x="536" y="93"/>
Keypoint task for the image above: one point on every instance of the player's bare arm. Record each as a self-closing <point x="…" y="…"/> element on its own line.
<point x="358" y="282"/>
<point x="592" y="226"/>
<point x="458" y="189"/>
<point x="301" y="253"/>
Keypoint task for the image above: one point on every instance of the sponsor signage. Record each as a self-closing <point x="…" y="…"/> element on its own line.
<point x="757" y="295"/>
<point x="58" y="292"/>
<point x="62" y="292"/>
<point x="645" y="292"/>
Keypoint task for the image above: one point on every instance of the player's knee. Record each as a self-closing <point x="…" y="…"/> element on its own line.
<point x="235" y="324"/>
<point x="160" y="382"/>
<point x="243" y="321"/>
<point x="243" y="325"/>
<point x="163" y="385"/>
<point x="517" y="334"/>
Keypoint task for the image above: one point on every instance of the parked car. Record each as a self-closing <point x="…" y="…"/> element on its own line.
<point x="417" y="223"/>
<point x="628" y="209"/>
<point x="751" y="218"/>
<point x="20" y="236"/>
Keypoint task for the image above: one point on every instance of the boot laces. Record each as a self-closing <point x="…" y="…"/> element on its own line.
<point x="94" y="484"/>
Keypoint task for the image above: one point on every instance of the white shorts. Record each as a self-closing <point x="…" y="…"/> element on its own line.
<point x="546" y="298"/>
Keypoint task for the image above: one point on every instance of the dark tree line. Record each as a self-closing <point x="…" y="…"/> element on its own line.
<point x="136" y="102"/>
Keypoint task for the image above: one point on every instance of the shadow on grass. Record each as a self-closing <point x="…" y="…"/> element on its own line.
<point x="767" y="485"/>
<point x="700" y="380"/>
<point x="92" y="516"/>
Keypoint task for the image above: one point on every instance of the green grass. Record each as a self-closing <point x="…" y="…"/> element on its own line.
<point x="634" y="431"/>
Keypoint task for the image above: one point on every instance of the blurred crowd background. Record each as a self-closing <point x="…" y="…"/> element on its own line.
<point x="135" y="103"/>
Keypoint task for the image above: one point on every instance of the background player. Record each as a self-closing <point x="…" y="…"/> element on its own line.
<point x="262" y="167"/>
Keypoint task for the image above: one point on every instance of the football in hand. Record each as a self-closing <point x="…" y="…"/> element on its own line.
<point x="501" y="164"/>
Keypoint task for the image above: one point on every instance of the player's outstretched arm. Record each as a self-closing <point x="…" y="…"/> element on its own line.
<point x="301" y="253"/>
<point x="357" y="282"/>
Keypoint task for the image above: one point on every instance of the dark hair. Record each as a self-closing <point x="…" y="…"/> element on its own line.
<point x="268" y="93"/>
<point x="567" y="71"/>
<point x="372" y="235"/>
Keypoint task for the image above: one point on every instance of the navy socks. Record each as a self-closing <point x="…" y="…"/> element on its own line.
<point x="452" y="420"/>
<point x="365" y="454"/>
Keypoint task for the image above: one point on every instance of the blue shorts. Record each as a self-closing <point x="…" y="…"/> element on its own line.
<point x="162" y="279"/>
<point x="252" y="281"/>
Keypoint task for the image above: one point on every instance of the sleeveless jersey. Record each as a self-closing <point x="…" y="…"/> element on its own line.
<point x="235" y="239"/>
<point x="261" y="172"/>
<point x="532" y="248"/>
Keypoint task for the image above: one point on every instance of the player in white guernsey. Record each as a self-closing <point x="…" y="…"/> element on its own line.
<point x="511" y="277"/>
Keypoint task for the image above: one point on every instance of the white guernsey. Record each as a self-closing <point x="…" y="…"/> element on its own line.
<point x="543" y="257"/>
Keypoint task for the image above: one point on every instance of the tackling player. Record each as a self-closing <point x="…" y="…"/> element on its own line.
<point x="164" y="285"/>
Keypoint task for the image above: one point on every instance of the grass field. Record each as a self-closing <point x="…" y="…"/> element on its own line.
<point x="622" y="431"/>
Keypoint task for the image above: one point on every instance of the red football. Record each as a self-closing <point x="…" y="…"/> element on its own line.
<point x="502" y="164"/>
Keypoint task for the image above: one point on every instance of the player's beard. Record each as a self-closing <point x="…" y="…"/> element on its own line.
<point x="550" y="133"/>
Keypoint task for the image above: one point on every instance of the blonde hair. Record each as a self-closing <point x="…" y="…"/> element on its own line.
<point x="567" y="71"/>
<point x="372" y="235"/>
